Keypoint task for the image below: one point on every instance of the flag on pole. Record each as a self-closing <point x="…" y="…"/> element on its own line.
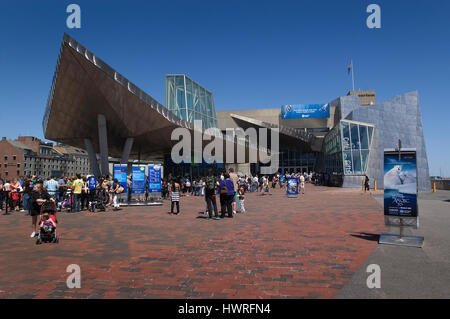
<point x="349" y="68"/>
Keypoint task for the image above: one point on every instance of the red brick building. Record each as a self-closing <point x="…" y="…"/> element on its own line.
<point x="29" y="156"/>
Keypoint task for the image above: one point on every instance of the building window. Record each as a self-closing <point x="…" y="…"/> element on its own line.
<point x="14" y="157"/>
<point x="18" y="165"/>
<point x="6" y="158"/>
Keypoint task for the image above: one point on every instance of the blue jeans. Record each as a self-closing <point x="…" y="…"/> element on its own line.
<point x="26" y="202"/>
<point x="77" y="202"/>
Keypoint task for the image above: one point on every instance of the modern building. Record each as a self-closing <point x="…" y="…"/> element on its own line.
<point x="92" y="106"/>
<point x="189" y="101"/>
<point x="29" y="156"/>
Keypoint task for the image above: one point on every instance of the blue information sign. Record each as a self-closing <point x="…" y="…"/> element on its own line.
<point x="302" y="111"/>
<point x="154" y="178"/>
<point x="120" y="172"/>
<point x="138" y="179"/>
<point x="92" y="181"/>
<point x="292" y="187"/>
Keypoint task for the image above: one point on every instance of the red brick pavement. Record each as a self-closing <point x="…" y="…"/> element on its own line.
<point x="307" y="247"/>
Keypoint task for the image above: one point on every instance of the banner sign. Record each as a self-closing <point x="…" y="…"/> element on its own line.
<point x="154" y="178"/>
<point x="120" y="172"/>
<point x="138" y="179"/>
<point x="400" y="184"/>
<point x="92" y="182"/>
<point x="305" y="111"/>
<point x="292" y="187"/>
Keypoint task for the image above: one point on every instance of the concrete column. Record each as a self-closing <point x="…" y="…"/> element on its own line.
<point x="126" y="150"/>
<point x="92" y="157"/>
<point x="103" y="141"/>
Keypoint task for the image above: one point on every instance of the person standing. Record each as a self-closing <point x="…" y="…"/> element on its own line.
<point x="174" y="190"/>
<point x="235" y="179"/>
<point x="27" y="190"/>
<point x="115" y="191"/>
<point x="302" y="183"/>
<point x="210" y="194"/>
<point x="227" y="194"/>
<point x="77" y="189"/>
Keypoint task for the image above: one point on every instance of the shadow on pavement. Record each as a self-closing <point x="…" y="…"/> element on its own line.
<point x="367" y="236"/>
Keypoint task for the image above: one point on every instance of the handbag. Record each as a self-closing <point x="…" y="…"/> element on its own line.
<point x="120" y="190"/>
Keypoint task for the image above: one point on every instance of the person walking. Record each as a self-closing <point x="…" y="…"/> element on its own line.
<point x="366" y="184"/>
<point x="235" y="178"/>
<point x="174" y="190"/>
<point x="302" y="183"/>
<point x="38" y="197"/>
<point x="210" y="194"/>
<point x="227" y="194"/>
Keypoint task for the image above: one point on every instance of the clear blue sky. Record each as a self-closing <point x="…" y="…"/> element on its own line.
<point x="250" y="54"/>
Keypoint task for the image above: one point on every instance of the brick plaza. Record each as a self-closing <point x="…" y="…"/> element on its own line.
<point x="307" y="247"/>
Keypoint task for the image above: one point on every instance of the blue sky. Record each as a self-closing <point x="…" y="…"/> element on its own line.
<point x="250" y="54"/>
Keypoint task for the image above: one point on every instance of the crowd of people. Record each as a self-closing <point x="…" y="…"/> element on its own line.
<point x="75" y="194"/>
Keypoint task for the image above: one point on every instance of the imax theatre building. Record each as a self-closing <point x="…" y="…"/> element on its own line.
<point x="92" y="106"/>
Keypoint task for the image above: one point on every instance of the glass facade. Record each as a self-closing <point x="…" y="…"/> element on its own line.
<point x="347" y="148"/>
<point x="190" y="101"/>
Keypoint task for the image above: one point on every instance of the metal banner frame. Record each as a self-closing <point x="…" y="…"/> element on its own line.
<point x="397" y="220"/>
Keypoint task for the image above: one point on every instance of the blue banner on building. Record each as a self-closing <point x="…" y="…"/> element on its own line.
<point x="154" y="178"/>
<point x="305" y="111"/>
<point x="120" y="172"/>
<point x="138" y="179"/>
<point x="292" y="187"/>
<point x="92" y="182"/>
<point x="400" y="184"/>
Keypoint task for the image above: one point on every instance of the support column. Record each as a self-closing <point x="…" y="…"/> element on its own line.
<point x="126" y="150"/>
<point x="103" y="141"/>
<point x="92" y="157"/>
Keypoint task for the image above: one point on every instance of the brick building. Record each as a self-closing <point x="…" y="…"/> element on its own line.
<point x="29" y="155"/>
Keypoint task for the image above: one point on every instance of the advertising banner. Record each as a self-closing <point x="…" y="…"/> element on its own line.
<point x="305" y="111"/>
<point x="400" y="186"/>
<point x="138" y="179"/>
<point x="292" y="187"/>
<point x="154" y="178"/>
<point x="120" y="172"/>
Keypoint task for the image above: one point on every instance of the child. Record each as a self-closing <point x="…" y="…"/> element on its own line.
<point x="47" y="224"/>
<point x="241" y="198"/>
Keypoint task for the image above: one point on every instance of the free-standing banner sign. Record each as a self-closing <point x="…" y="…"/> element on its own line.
<point x="154" y="178"/>
<point x="120" y="172"/>
<point x="400" y="188"/>
<point x="138" y="179"/>
<point x="292" y="187"/>
<point x="302" y="111"/>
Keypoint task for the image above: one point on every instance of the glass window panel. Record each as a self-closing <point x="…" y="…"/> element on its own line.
<point x="347" y="159"/>
<point x="364" y="160"/>
<point x="363" y="137"/>
<point x="370" y="129"/>
<point x="345" y="135"/>
<point x="356" y="161"/>
<point x="354" y="134"/>
<point x="180" y="98"/>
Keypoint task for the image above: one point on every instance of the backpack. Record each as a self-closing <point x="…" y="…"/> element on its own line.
<point x="210" y="183"/>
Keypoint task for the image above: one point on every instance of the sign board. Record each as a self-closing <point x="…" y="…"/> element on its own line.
<point x="305" y="111"/>
<point x="120" y="172"/>
<point x="400" y="188"/>
<point x="292" y="187"/>
<point x="154" y="179"/>
<point x="138" y="179"/>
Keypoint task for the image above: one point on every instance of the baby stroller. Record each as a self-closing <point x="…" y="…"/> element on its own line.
<point x="48" y="236"/>
<point x="67" y="202"/>
<point x="99" y="200"/>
